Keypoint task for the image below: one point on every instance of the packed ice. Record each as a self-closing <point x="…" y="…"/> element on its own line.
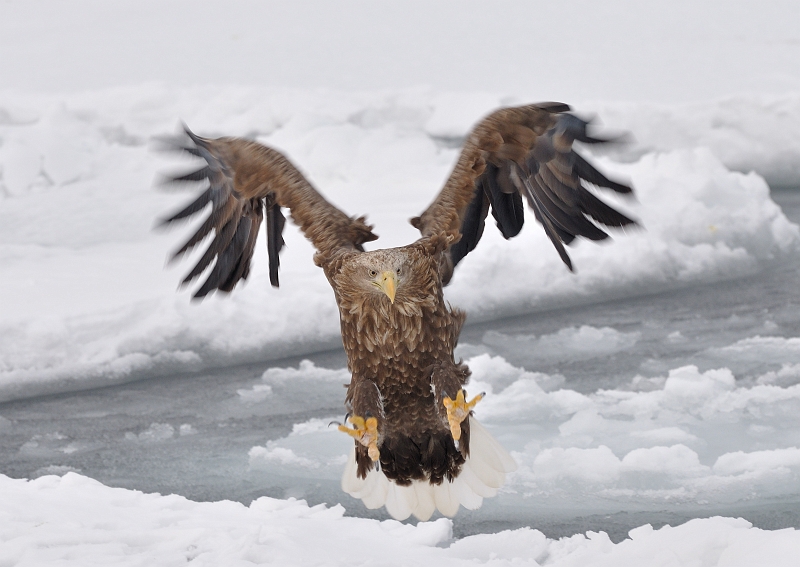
<point x="687" y="438"/>
<point x="88" y="301"/>
<point x="695" y="420"/>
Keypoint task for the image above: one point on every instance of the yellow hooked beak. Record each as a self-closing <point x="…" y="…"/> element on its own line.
<point x="388" y="284"/>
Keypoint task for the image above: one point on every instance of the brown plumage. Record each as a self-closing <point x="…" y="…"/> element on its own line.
<point x="397" y="331"/>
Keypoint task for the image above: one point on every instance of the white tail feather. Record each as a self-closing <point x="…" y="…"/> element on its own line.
<point x="426" y="505"/>
<point x="376" y="495"/>
<point x="401" y="501"/>
<point x="481" y="475"/>
<point x="445" y="497"/>
<point x="465" y="494"/>
<point x="477" y="485"/>
<point x="494" y="453"/>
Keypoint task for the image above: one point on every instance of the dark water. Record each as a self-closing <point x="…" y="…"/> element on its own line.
<point x="106" y="433"/>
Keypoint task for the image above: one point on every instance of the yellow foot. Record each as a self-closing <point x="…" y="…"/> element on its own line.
<point x="458" y="410"/>
<point x="365" y="432"/>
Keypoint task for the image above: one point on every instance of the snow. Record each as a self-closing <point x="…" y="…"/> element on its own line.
<point x="87" y="300"/>
<point x="74" y="520"/>
<point x="746" y="133"/>
<point x="371" y="100"/>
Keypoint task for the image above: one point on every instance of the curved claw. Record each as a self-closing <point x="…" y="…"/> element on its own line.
<point x="365" y="432"/>
<point x="458" y="410"/>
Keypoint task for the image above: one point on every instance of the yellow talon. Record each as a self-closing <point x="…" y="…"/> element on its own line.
<point x="365" y="432"/>
<point x="458" y="410"/>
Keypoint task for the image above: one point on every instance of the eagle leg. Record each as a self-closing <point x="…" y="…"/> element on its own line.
<point x="366" y="414"/>
<point x="365" y="431"/>
<point x="446" y="380"/>
<point x="458" y="410"/>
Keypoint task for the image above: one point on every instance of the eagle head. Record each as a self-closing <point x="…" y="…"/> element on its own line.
<point x="378" y="275"/>
<point x="391" y="282"/>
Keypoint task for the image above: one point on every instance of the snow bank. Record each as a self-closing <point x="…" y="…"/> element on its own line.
<point x="755" y="133"/>
<point x="74" y="520"/>
<point x="86" y="300"/>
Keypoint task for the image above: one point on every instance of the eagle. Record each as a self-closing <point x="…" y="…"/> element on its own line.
<point x="417" y="446"/>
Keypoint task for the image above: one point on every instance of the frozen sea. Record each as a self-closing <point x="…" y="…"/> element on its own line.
<point x="652" y="399"/>
<point x="199" y="434"/>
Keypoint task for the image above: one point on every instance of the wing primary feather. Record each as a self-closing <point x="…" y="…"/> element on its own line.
<point x="507" y="209"/>
<point x="559" y="190"/>
<point x="242" y="266"/>
<point x="275" y="223"/>
<point x="549" y="229"/>
<point x="227" y="260"/>
<point x="565" y="237"/>
<point x="242" y="269"/>
<point x="600" y="211"/>
<point x="199" y="142"/>
<point x="190" y="150"/>
<point x="198" y="175"/>
<point x="570" y="220"/>
<point x="216" y="219"/>
<point x="472" y="226"/>
<point x="573" y="128"/>
<point x="174" y="144"/>
<point x="217" y="165"/>
<point x="199" y="235"/>
<point x="588" y="172"/>
<point x="554" y="107"/>
<point x="220" y="242"/>
<point x="195" y="206"/>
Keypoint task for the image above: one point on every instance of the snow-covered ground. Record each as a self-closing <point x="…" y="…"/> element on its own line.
<point x="710" y="93"/>
<point x="87" y="300"/>
<point x="77" y="521"/>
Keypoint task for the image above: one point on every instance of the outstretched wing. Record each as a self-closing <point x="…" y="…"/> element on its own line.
<point x="246" y="181"/>
<point x="515" y="153"/>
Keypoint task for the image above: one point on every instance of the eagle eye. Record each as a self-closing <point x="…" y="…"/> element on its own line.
<point x="398" y="271"/>
<point x="372" y="273"/>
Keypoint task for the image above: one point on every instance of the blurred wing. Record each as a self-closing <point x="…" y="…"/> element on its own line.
<point x="247" y="181"/>
<point x="522" y="153"/>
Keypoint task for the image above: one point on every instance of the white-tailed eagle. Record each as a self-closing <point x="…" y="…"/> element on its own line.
<point x="417" y="447"/>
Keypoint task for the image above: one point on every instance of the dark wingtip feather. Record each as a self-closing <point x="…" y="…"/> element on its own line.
<point x="220" y="243"/>
<point x="199" y="175"/>
<point x="242" y="268"/>
<point x="226" y="262"/>
<point x="507" y="208"/>
<point x="551" y="233"/>
<point x="471" y="227"/>
<point x="173" y="144"/>
<point x="193" y="207"/>
<point x="600" y="211"/>
<point x="192" y="136"/>
<point x="554" y="107"/>
<point x="562" y="252"/>
<point x="587" y="171"/>
<point x="275" y="224"/>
